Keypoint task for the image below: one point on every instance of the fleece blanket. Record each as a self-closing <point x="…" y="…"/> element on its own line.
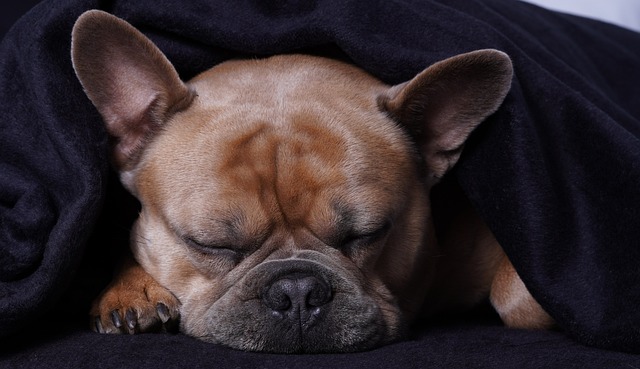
<point x="554" y="173"/>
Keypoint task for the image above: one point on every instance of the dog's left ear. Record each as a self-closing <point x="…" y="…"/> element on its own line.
<point x="444" y="103"/>
<point x="129" y="80"/>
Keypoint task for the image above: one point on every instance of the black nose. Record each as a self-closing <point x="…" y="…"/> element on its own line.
<point x="298" y="297"/>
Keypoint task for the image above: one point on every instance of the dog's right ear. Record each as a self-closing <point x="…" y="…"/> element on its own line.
<point x="132" y="84"/>
<point x="442" y="105"/>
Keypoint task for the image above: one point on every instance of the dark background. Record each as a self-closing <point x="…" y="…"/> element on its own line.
<point x="531" y="190"/>
<point x="11" y="11"/>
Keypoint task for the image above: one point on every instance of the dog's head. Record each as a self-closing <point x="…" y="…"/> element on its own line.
<point x="284" y="200"/>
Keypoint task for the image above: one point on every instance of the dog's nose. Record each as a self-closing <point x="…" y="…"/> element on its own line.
<point x="297" y="297"/>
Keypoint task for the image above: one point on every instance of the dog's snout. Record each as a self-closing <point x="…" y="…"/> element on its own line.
<point x="297" y="297"/>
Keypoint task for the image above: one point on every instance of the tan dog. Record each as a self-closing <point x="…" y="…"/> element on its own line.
<point x="285" y="201"/>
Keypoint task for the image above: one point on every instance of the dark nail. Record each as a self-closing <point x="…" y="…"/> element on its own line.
<point x="163" y="312"/>
<point x="115" y="317"/>
<point x="131" y="318"/>
<point x="98" y="325"/>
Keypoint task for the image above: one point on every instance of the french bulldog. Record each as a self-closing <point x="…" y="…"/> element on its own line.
<point x="285" y="201"/>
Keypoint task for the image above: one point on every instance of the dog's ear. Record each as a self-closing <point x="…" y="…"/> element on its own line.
<point x="444" y="103"/>
<point x="131" y="83"/>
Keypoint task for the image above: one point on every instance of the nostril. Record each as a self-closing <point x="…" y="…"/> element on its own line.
<point x="301" y="293"/>
<point x="277" y="295"/>
<point x="316" y="292"/>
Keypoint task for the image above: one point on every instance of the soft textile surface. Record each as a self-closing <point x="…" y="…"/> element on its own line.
<point x="478" y="346"/>
<point x="555" y="172"/>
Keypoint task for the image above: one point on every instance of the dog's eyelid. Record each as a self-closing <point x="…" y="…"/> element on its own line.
<point x="191" y="241"/>
<point x="201" y="239"/>
<point x="376" y="231"/>
<point x="209" y="247"/>
<point x="368" y="235"/>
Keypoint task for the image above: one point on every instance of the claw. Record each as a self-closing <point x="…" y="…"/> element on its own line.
<point x="115" y="317"/>
<point x="163" y="312"/>
<point x="132" y="319"/>
<point x="98" y="325"/>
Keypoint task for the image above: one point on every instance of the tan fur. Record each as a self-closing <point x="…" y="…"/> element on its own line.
<point x="514" y="303"/>
<point x="297" y="166"/>
<point x="133" y="296"/>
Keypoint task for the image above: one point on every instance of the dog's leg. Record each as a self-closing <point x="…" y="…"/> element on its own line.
<point x="513" y="301"/>
<point x="133" y="303"/>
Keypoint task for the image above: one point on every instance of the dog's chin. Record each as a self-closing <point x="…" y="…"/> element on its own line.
<point x="272" y="334"/>
<point x="347" y="319"/>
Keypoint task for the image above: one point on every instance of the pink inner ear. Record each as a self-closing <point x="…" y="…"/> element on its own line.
<point x="131" y="134"/>
<point x="442" y="105"/>
<point x="131" y="83"/>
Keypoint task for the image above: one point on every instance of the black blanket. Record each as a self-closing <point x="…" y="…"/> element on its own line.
<point x="555" y="172"/>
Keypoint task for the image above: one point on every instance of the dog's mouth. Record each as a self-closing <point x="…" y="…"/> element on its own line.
<point x="297" y="306"/>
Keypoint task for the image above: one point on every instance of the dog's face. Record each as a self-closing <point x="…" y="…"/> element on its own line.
<point x="284" y="200"/>
<point x="273" y="206"/>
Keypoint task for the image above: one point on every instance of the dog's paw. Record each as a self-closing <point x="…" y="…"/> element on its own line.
<point x="135" y="303"/>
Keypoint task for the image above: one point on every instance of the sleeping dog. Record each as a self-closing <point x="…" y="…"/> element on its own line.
<point x="285" y="201"/>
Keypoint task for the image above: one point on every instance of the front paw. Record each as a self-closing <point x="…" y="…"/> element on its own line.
<point x="135" y="303"/>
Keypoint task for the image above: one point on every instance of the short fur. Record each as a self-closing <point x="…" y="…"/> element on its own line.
<point x="285" y="201"/>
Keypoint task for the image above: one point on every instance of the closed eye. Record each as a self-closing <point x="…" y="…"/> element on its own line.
<point x="366" y="237"/>
<point x="212" y="249"/>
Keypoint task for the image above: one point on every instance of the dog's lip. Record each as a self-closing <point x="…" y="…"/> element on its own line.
<point x="245" y="301"/>
<point x="374" y="340"/>
<point x="304" y="343"/>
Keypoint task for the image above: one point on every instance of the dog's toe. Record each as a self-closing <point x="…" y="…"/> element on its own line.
<point x="115" y="318"/>
<point x="135" y="303"/>
<point x="104" y="325"/>
<point x="97" y="325"/>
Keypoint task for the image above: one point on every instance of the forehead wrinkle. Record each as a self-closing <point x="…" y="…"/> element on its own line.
<point x="283" y="165"/>
<point x="309" y="162"/>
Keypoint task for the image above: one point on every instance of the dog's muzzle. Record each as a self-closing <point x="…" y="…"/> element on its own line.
<point x="304" y="304"/>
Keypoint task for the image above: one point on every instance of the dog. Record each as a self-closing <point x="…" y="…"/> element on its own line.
<point x="285" y="201"/>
